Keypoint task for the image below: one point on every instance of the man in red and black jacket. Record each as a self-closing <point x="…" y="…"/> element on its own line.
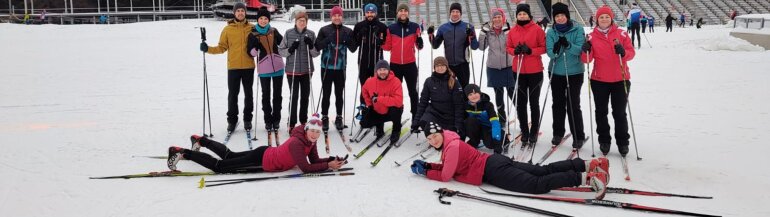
<point x="384" y="101"/>
<point x="403" y="38"/>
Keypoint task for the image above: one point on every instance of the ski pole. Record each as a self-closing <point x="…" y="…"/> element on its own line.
<point x="444" y="192"/>
<point x="569" y="103"/>
<point x="355" y="101"/>
<point x="628" y="103"/>
<point x="398" y="164"/>
<point x="590" y="102"/>
<point x="542" y="111"/>
<point x="292" y="110"/>
<point x="470" y="52"/>
<point x="483" y="55"/>
<point x="648" y="40"/>
<point x="310" y="79"/>
<point x="256" y="102"/>
<point x="515" y="92"/>
<point x="205" y="87"/>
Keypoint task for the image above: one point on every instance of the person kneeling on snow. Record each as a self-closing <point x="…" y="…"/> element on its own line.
<point x="384" y="101"/>
<point x="482" y="122"/>
<point x="299" y="150"/>
<point x="467" y="165"/>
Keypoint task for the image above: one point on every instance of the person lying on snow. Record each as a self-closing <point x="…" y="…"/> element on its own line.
<point x="299" y="150"/>
<point x="467" y="165"/>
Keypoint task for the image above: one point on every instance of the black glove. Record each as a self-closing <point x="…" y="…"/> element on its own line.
<point x="469" y="32"/>
<point x="415" y="126"/>
<point x="525" y="49"/>
<point x="619" y="50"/>
<point x="204" y="47"/>
<point x="561" y="43"/>
<point x="374" y="98"/>
<point x="294" y="47"/>
<point x="517" y="49"/>
<point x="309" y="42"/>
<point x="431" y="29"/>
<point x="419" y="43"/>
<point x="586" y="47"/>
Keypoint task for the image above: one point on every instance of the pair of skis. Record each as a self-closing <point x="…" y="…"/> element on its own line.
<point x="526" y="150"/>
<point x="427" y="148"/>
<point x="553" y="149"/>
<point x="397" y="144"/>
<point x="213" y="183"/>
<point x="381" y="139"/>
<point x="609" y="203"/>
<point x="175" y="173"/>
<point x="342" y="136"/>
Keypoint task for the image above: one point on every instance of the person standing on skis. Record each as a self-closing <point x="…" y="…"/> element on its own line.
<point x="403" y="37"/>
<point x="501" y="78"/>
<point x="263" y="44"/>
<point x="240" y="67"/>
<point x="334" y="40"/>
<point x="481" y="121"/>
<point x="563" y="46"/>
<point x="384" y="100"/>
<point x="457" y="36"/>
<point x="461" y="162"/>
<point x="610" y="49"/>
<point x="369" y="35"/>
<point x="526" y="42"/>
<point x="299" y="50"/>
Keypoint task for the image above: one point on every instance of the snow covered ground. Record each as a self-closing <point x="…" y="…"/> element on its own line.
<point x="79" y="101"/>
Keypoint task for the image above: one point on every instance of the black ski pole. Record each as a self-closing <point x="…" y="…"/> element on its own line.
<point x="628" y="103"/>
<point x="444" y="192"/>
<point x="206" y="99"/>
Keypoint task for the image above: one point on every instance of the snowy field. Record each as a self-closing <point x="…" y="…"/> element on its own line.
<point x="81" y="100"/>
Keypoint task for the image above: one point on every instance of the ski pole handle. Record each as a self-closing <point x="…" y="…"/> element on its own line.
<point x="203" y="34"/>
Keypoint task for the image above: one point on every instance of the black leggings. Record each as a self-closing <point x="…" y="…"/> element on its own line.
<point x="613" y="94"/>
<point x="299" y="85"/>
<point x="408" y="73"/>
<point x="272" y="111"/>
<point x="500" y="103"/>
<point x="529" y="91"/>
<point x="462" y="72"/>
<point x="230" y="161"/>
<point x="331" y="77"/>
<point x="507" y="174"/>
<point x="235" y="78"/>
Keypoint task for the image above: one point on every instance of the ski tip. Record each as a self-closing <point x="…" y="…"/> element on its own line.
<point x="628" y="178"/>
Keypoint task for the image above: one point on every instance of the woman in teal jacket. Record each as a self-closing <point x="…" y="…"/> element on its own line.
<point x="563" y="43"/>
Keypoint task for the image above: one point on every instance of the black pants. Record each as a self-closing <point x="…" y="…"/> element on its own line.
<point x="272" y="111"/>
<point x="230" y="161"/>
<point x="463" y="73"/>
<point x="500" y="103"/>
<point x="529" y="91"/>
<point x="235" y="78"/>
<point x="299" y="85"/>
<point x="635" y="33"/>
<point x="331" y="77"/>
<point x="614" y="93"/>
<point x="477" y="132"/>
<point x="669" y="28"/>
<point x="365" y="71"/>
<point x="644" y="27"/>
<point x="507" y="174"/>
<point x="408" y="72"/>
<point x="374" y="119"/>
<point x="652" y="28"/>
<point x="566" y="102"/>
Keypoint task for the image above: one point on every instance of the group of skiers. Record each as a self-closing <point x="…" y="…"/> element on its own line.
<point x="449" y="108"/>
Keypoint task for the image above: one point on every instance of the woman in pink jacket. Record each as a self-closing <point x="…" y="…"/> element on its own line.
<point x="526" y="42"/>
<point x="299" y="150"/>
<point x="467" y="165"/>
<point x="610" y="48"/>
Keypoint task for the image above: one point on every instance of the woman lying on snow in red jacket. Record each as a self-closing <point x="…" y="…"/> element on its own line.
<point x="296" y="151"/>
<point x="467" y="165"/>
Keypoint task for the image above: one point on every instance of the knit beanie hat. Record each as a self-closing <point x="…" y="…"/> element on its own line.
<point x="336" y="10"/>
<point x="314" y="123"/>
<point x="560" y="8"/>
<point x="523" y="7"/>
<point x="456" y="6"/>
<point x="604" y="10"/>
<point x="402" y="6"/>
<point x="300" y="14"/>
<point x="382" y="64"/>
<point x="440" y="60"/>
<point x="370" y="8"/>
<point x="239" y="5"/>
<point x="262" y="12"/>
<point x="431" y="128"/>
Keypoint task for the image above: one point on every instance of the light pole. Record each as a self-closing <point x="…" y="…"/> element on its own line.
<point x="385" y="10"/>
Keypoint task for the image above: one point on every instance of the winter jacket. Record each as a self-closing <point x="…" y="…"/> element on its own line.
<point x="459" y="161"/>
<point x="607" y="65"/>
<point x="402" y="41"/>
<point x="484" y="111"/>
<point x="335" y="41"/>
<point x="669" y="20"/>
<point x="269" y="62"/>
<point x="365" y="34"/>
<point x="635" y="14"/>
<point x="388" y="91"/>
<point x="534" y="37"/>
<point x="440" y="104"/>
<point x="233" y="39"/>
<point x="296" y="151"/>
<point x="497" y="57"/>
<point x="298" y="63"/>
<point x="576" y="38"/>
<point x="455" y="41"/>
<point x="651" y="21"/>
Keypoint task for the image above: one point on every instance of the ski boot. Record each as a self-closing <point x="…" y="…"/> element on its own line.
<point x="394" y="139"/>
<point x="195" y="141"/>
<point x="604" y="148"/>
<point x="231" y="127"/>
<point x="578" y="142"/>
<point x="325" y="122"/>
<point x="623" y="149"/>
<point x="247" y="125"/>
<point x="174" y="156"/>
<point x="601" y="164"/>
<point x="338" y="123"/>
<point x="556" y="140"/>
<point x="598" y="182"/>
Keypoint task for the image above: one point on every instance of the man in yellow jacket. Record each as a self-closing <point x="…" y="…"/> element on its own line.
<point x="240" y="66"/>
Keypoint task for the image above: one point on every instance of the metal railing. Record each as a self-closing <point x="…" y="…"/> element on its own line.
<point x="751" y="23"/>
